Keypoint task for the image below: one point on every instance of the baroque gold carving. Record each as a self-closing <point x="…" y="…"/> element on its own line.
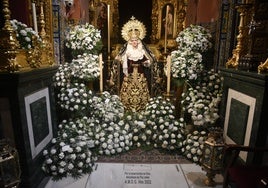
<point x="9" y="43"/>
<point x="16" y="59"/>
<point x="263" y="67"/>
<point x="114" y="16"/>
<point x="157" y="19"/>
<point x="47" y="57"/>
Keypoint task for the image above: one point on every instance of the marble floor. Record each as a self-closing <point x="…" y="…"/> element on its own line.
<point x="125" y="175"/>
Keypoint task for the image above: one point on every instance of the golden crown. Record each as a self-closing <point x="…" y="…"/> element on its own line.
<point x="133" y="28"/>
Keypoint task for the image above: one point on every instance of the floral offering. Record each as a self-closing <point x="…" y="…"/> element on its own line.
<point x="83" y="38"/>
<point x="186" y="65"/>
<point x="194" y="38"/>
<point x="202" y="101"/>
<point x="70" y="153"/>
<point x="85" y="67"/>
<point x="166" y="131"/>
<point x="24" y="34"/>
<point x="193" y="145"/>
<point x="75" y="98"/>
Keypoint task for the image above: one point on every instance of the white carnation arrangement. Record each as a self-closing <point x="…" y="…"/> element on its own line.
<point x="75" y="98"/>
<point x="193" y="145"/>
<point x="202" y="101"/>
<point x="85" y="67"/>
<point x="194" y="38"/>
<point x="70" y="153"/>
<point x="24" y="34"/>
<point x="112" y="137"/>
<point x="186" y="65"/>
<point x="158" y="126"/>
<point x="83" y="38"/>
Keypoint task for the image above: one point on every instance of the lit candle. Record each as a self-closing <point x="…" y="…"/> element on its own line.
<point x="166" y="20"/>
<point x="34" y="17"/>
<point x="108" y="27"/>
<point x="168" y="73"/>
<point x="101" y="76"/>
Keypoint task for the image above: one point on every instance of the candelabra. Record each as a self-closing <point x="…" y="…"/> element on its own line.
<point x="9" y="43"/>
<point x="234" y="60"/>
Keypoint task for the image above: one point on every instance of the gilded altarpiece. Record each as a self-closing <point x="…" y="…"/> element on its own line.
<point x="157" y="38"/>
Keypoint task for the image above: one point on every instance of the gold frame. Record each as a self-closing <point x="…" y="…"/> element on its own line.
<point x="161" y="16"/>
<point x="114" y="17"/>
<point x="157" y="7"/>
<point x="179" y="12"/>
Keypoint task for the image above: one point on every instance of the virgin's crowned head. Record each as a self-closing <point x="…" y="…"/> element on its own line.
<point x="133" y="27"/>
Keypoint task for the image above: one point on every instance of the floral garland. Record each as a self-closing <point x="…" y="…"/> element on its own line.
<point x="83" y="38"/>
<point x="24" y="34"/>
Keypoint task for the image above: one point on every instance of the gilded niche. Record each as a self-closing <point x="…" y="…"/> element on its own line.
<point x="41" y="54"/>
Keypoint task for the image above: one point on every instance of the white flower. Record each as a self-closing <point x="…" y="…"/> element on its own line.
<point x="62" y="163"/>
<point x="135" y="138"/>
<point x="61" y="155"/>
<point x="53" y="151"/>
<point x="45" y="152"/>
<point x="73" y="156"/>
<point x="53" y="141"/>
<point x="104" y="145"/>
<point x="25" y="34"/>
<point x="53" y="168"/>
<point x="61" y="170"/>
<point x="70" y="166"/>
<point x="49" y="161"/>
<point x="78" y="149"/>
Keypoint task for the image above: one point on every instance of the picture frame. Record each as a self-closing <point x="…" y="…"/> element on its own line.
<point x="178" y="11"/>
<point x="38" y="116"/>
<point x="101" y="6"/>
<point x="245" y="107"/>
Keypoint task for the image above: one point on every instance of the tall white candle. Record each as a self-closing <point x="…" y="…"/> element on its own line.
<point x="166" y="21"/>
<point x="34" y="17"/>
<point x="101" y="76"/>
<point x="168" y="73"/>
<point x="108" y="27"/>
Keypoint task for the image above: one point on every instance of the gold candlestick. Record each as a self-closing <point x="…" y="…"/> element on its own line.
<point x="9" y="44"/>
<point x="234" y="60"/>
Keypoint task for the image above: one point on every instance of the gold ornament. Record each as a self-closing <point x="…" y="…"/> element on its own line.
<point x="133" y="26"/>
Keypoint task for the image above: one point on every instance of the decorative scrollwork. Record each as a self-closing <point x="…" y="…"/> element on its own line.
<point x="134" y="92"/>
